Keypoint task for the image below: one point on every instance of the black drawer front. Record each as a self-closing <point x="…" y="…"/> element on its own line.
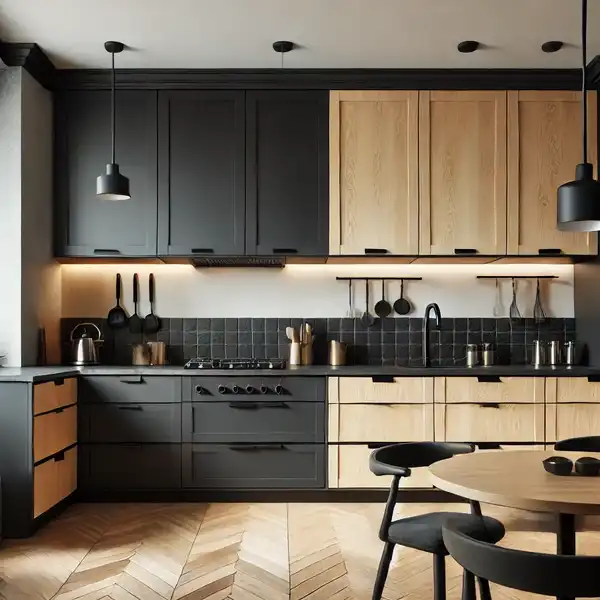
<point x="130" y="466"/>
<point x="138" y="389"/>
<point x="128" y="422"/>
<point x="257" y="466"/>
<point x="253" y="420"/>
<point x="303" y="389"/>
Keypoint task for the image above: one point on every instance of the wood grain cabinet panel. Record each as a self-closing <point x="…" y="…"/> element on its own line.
<point x="53" y="481"/>
<point x="544" y="146"/>
<point x="502" y="390"/>
<point x="565" y="421"/>
<point x="54" y="394"/>
<point x="358" y="390"/>
<point x="462" y="172"/>
<point x="52" y="432"/>
<point x="572" y="390"/>
<point x="373" y="172"/>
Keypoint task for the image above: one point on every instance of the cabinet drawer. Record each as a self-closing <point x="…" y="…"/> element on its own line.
<point x="489" y="423"/>
<point x="349" y="468"/>
<point x="572" y="390"/>
<point x="303" y="389"/>
<point x="254" y="421"/>
<point x="130" y="422"/>
<point x="138" y="389"/>
<point x="254" y="466"/>
<point x="380" y="422"/>
<point x="490" y="389"/>
<point x="54" y="480"/>
<point x="565" y="421"/>
<point x="54" y="394"/>
<point x="53" y="432"/>
<point x="384" y="390"/>
<point x="130" y="466"/>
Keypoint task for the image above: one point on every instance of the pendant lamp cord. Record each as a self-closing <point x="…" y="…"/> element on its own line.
<point x="584" y="75"/>
<point x="112" y="103"/>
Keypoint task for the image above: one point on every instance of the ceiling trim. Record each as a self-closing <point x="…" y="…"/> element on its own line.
<point x="32" y="58"/>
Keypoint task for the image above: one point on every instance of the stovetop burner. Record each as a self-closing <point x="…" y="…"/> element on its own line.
<point x="235" y="363"/>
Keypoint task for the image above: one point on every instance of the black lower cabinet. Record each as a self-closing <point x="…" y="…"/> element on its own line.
<point x="256" y="466"/>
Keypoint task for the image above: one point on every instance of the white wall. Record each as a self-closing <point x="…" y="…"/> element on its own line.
<point x="307" y="290"/>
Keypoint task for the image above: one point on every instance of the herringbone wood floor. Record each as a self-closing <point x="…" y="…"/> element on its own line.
<point x="237" y="552"/>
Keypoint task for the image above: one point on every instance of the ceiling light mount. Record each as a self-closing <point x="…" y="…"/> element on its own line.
<point x="552" y="46"/>
<point x="283" y="46"/>
<point x="114" y="47"/>
<point x="468" y="46"/>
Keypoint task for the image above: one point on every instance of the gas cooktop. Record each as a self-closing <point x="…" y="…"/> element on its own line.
<point x="235" y="363"/>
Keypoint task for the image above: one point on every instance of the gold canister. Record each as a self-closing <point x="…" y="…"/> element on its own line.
<point x="157" y="352"/>
<point x="140" y="355"/>
<point x="337" y="353"/>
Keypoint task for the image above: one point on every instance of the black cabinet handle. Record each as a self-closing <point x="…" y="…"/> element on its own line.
<point x="274" y="405"/>
<point x="131" y="445"/>
<point x="132" y="380"/>
<point x="489" y="379"/>
<point x="256" y="447"/>
<point x="382" y="379"/>
<point x="60" y="381"/>
<point x="202" y="251"/>
<point x="489" y="405"/>
<point x="106" y="251"/>
<point x="465" y="251"/>
<point x="60" y="456"/>
<point x="59" y="410"/>
<point x="549" y="251"/>
<point x="134" y="407"/>
<point x="285" y="251"/>
<point x="376" y="251"/>
<point x="488" y="446"/>
<point x="244" y="405"/>
<point x="376" y="445"/>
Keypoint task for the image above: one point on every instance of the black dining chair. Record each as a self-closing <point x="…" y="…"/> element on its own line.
<point x="422" y="532"/>
<point x="547" y="574"/>
<point x="590" y="443"/>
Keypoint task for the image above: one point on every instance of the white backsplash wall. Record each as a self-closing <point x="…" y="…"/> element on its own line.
<point x="309" y="291"/>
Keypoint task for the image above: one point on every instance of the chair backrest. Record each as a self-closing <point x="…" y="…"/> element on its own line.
<point x="579" y="444"/>
<point x="547" y="574"/>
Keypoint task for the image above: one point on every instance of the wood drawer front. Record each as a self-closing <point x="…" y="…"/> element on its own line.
<point x="54" y="431"/>
<point x="401" y="390"/>
<point x="380" y="423"/>
<point x="487" y="423"/>
<point x="565" y="421"/>
<point x="492" y="390"/>
<point x="572" y="390"/>
<point x="54" y="394"/>
<point x="139" y="389"/>
<point x="349" y="468"/>
<point x="53" y="481"/>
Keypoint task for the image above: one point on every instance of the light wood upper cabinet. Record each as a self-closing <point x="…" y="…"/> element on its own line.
<point x="462" y="172"/>
<point x="374" y="172"/>
<point x="544" y="146"/>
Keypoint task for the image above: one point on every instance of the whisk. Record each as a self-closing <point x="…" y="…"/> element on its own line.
<point x="514" y="311"/>
<point x="538" y="311"/>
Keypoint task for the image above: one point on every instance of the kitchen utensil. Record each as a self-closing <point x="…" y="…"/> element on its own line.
<point x="307" y="344"/>
<point x="337" y="353"/>
<point x="135" y="321"/>
<point x="350" y="313"/>
<point x="402" y="306"/>
<point x="572" y="353"/>
<point x="383" y="308"/>
<point x="554" y="353"/>
<point x="84" y="349"/>
<point x="367" y="318"/>
<point x="538" y="311"/>
<point x="295" y="354"/>
<point x="42" y="357"/>
<point x="498" y="308"/>
<point x="292" y="335"/>
<point x="539" y="353"/>
<point x="488" y="354"/>
<point x="151" y="320"/>
<point x="472" y="355"/>
<point x="157" y="353"/>
<point x="140" y="355"/>
<point x="117" y="317"/>
<point x="514" y="311"/>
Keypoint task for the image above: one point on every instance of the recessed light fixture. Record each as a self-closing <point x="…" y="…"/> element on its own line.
<point x="468" y="46"/>
<point x="553" y="46"/>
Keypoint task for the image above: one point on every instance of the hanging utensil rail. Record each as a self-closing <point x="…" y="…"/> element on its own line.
<point x="382" y="278"/>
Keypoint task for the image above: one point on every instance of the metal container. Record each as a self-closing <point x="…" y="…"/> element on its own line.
<point x="554" y="353"/>
<point x="488" y="354"/>
<point x="573" y="352"/>
<point x="539" y="353"/>
<point x="140" y="355"/>
<point x="157" y="352"/>
<point x="337" y="353"/>
<point x="472" y="355"/>
<point x="295" y="354"/>
<point x="84" y="349"/>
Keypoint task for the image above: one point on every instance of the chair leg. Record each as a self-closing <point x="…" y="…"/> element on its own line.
<point x="439" y="577"/>
<point x="382" y="571"/>
<point x="484" y="589"/>
<point x="468" y="591"/>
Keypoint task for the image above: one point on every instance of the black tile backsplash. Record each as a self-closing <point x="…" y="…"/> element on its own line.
<point x="391" y="341"/>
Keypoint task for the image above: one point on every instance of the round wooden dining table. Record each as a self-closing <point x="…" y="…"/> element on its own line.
<point x="517" y="479"/>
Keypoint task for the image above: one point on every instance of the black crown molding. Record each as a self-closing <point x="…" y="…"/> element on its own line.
<point x="32" y="58"/>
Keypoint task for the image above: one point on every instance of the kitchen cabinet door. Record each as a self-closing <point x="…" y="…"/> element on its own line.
<point x="85" y="225"/>
<point x="374" y="153"/>
<point x="287" y="167"/>
<point x="462" y="170"/>
<point x="544" y="146"/>
<point x="201" y="173"/>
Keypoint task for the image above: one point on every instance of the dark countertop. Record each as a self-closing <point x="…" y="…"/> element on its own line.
<point x="39" y="374"/>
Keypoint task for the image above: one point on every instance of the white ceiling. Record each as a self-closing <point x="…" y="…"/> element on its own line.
<point x="330" y="33"/>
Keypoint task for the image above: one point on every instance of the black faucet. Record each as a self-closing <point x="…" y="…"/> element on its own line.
<point x="438" y="323"/>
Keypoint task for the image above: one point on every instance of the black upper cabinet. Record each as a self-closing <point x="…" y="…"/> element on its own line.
<point x="85" y="225"/>
<point x="287" y="172"/>
<point x="201" y="173"/>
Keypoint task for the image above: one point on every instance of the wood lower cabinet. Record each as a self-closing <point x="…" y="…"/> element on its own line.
<point x="572" y="390"/>
<point x="54" y="480"/>
<point x="544" y="146"/>
<point x="566" y="420"/>
<point x="54" y="431"/>
<point x="462" y="172"/>
<point x="489" y="390"/>
<point x="54" y="394"/>
<point x="374" y="172"/>
<point x="381" y="390"/>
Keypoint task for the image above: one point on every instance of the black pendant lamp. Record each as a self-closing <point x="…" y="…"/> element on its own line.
<point x="112" y="185"/>
<point x="579" y="200"/>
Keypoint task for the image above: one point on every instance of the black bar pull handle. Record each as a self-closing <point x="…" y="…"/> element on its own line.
<point x="285" y="251"/>
<point x="489" y="379"/>
<point x="594" y="378"/>
<point x="376" y="251"/>
<point x="202" y="251"/>
<point x="137" y="379"/>
<point x="106" y="251"/>
<point x="382" y="379"/>
<point x="489" y="405"/>
<point x="489" y="446"/>
<point x="274" y="404"/>
<point x="376" y="445"/>
<point x="549" y="251"/>
<point x="60" y="381"/>
<point x="256" y="447"/>
<point x="60" y="456"/>
<point x="131" y="407"/>
<point x="244" y="405"/>
<point x="465" y="251"/>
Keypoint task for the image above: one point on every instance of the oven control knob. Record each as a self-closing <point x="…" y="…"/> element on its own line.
<point x="236" y="389"/>
<point x="263" y="389"/>
<point x="279" y="389"/>
<point x="200" y="390"/>
<point x="222" y="389"/>
<point x="250" y="389"/>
